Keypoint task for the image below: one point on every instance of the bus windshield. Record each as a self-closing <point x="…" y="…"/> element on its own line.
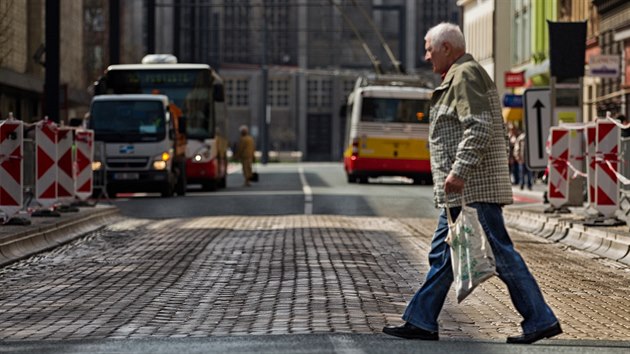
<point x="395" y="110"/>
<point x="128" y="120"/>
<point x="189" y="90"/>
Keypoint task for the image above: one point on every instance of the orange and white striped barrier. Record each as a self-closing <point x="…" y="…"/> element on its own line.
<point x="558" y="186"/>
<point x="84" y="141"/>
<point x="11" y="167"/>
<point x="46" y="163"/>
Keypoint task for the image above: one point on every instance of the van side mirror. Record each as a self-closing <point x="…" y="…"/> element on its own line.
<point x="100" y="86"/>
<point x="342" y="110"/>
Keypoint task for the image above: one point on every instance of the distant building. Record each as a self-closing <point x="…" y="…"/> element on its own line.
<point x="313" y="56"/>
<point x="22" y="58"/>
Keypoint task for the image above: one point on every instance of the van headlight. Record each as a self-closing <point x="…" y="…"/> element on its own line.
<point x="96" y="165"/>
<point x="160" y="162"/>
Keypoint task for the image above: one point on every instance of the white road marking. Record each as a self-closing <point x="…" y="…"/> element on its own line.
<point x="308" y="193"/>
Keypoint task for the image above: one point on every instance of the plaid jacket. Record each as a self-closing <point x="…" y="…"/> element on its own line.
<point x="467" y="136"/>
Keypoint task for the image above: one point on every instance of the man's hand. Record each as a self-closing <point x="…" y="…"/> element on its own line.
<point x="453" y="184"/>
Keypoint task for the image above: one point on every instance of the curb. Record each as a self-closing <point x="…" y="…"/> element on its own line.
<point x="606" y="242"/>
<point x="47" y="236"/>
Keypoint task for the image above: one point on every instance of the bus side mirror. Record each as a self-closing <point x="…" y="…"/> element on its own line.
<point x="342" y="110"/>
<point x="218" y="93"/>
<point x="100" y="87"/>
<point x="181" y="125"/>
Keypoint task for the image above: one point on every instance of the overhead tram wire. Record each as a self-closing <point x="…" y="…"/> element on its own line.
<point x="395" y="62"/>
<point x="375" y="62"/>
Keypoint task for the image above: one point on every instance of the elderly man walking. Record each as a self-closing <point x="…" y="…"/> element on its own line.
<point x="469" y="160"/>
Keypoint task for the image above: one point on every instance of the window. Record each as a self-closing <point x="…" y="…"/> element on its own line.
<point x="312" y="87"/>
<point x="237" y="92"/>
<point x="319" y="93"/>
<point x="521" y="32"/>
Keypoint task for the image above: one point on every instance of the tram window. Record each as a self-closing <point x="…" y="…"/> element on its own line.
<point x="394" y="110"/>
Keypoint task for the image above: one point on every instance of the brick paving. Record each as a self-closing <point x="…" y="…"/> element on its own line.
<point x="210" y="276"/>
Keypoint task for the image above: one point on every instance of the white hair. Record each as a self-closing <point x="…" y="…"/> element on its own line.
<point x="243" y="128"/>
<point x="446" y="33"/>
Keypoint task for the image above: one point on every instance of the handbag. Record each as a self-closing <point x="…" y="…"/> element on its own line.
<point x="471" y="255"/>
<point x="254" y="177"/>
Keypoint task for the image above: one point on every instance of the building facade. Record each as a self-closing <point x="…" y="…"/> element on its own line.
<point x="23" y="56"/>
<point x="613" y="94"/>
<point x="312" y="53"/>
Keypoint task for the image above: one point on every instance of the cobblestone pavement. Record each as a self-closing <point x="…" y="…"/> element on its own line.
<point x="276" y="275"/>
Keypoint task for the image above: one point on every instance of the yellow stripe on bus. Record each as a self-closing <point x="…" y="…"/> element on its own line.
<point x="393" y="148"/>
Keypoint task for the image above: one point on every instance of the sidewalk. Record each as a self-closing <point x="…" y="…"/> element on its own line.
<point x="19" y="241"/>
<point x="611" y="242"/>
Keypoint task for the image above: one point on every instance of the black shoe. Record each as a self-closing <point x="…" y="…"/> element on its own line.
<point x="410" y="331"/>
<point x="548" y="332"/>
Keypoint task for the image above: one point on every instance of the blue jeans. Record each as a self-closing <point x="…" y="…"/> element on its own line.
<point x="424" y="308"/>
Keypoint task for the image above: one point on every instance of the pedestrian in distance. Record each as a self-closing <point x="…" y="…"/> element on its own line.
<point x="513" y="133"/>
<point x="469" y="159"/>
<point x="625" y="132"/>
<point x="245" y="153"/>
<point x="525" y="174"/>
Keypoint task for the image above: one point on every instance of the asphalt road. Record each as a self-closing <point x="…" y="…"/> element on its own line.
<point x="285" y="189"/>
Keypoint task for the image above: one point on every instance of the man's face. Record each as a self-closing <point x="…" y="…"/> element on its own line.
<point x="437" y="57"/>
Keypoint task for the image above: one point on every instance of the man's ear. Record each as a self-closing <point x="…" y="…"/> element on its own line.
<point x="447" y="48"/>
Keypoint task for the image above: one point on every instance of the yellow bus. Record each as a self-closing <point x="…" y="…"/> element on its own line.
<point x="387" y="128"/>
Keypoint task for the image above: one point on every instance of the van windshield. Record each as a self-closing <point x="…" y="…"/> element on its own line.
<point x="395" y="110"/>
<point x="128" y="120"/>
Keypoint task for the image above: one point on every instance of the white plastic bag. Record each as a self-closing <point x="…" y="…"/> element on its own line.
<point x="471" y="254"/>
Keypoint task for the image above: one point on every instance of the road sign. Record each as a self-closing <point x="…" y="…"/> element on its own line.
<point x="537" y="105"/>
<point x="605" y="66"/>
<point x="514" y="79"/>
<point x="513" y="101"/>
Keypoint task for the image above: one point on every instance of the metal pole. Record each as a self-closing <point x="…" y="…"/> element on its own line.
<point x="51" y="85"/>
<point x="176" y="27"/>
<point x="114" y="32"/>
<point x="150" y="26"/>
<point x="264" y="121"/>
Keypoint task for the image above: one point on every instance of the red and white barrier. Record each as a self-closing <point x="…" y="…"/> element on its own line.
<point x="65" y="163"/>
<point x="606" y="165"/>
<point x="591" y="147"/>
<point x="558" y="186"/>
<point x="11" y="167"/>
<point x="84" y="140"/>
<point x="46" y="163"/>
